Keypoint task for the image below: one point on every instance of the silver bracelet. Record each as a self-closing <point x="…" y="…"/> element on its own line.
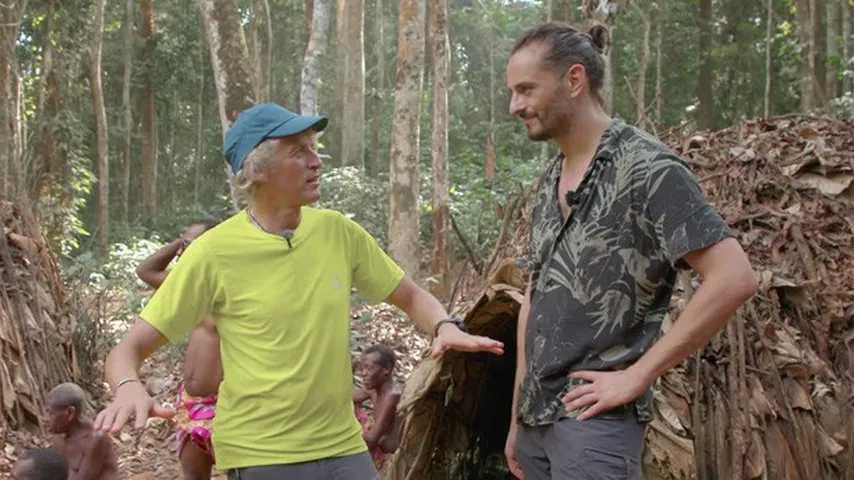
<point x="124" y="381"/>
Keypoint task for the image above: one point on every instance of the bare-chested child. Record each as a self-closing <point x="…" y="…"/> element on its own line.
<point x="382" y="432"/>
<point x="89" y="454"/>
<point x="202" y="368"/>
<point x="40" y="464"/>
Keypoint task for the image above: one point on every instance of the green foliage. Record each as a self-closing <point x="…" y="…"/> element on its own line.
<point x="361" y="197"/>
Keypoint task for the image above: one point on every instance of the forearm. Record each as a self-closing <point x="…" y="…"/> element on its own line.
<point x="707" y="312"/>
<point x="521" y="362"/>
<point x="424" y="309"/>
<point x="155" y="264"/>
<point x="125" y="358"/>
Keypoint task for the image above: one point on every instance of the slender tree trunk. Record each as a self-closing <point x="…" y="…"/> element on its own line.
<point x="101" y="129"/>
<point x="706" y="110"/>
<point x="317" y="40"/>
<point x="149" y="115"/>
<point x="769" y="31"/>
<point x="199" y="157"/>
<point x="640" y="89"/>
<point x="404" y="175"/>
<point x="562" y="10"/>
<point x="441" y="66"/>
<point x="128" y="115"/>
<point x="268" y="51"/>
<point x="846" y="43"/>
<point x="810" y="96"/>
<point x="834" y="27"/>
<point x="229" y="58"/>
<point x="818" y="12"/>
<point x="490" y="157"/>
<point x="353" y="115"/>
<point x="11" y="141"/>
<point x="379" y="97"/>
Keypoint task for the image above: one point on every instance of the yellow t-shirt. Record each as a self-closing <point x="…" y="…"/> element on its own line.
<point x="283" y="316"/>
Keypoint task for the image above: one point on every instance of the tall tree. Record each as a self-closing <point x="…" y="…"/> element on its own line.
<point x="261" y="48"/>
<point x="818" y="13"/>
<point x="404" y="178"/>
<point x="706" y="109"/>
<point x="640" y="87"/>
<point x="441" y="66"/>
<point x="11" y="138"/>
<point x="769" y="31"/>
<point x="97" y="88"/>
<point x="562" y="11"/>
<point x="317" y="40"/>
<point x="353" y="114"/>
<point x="229" y="58"/>
<point x="834" y="27"/>
<point x="846" y="43"/>
<point x="127" y="123"/>
<point x="149" y="114"/>
<point x="811" y="86"/>
<point x="374" y="164"/>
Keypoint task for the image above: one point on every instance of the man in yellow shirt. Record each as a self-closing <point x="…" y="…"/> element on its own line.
<point x="276" y="278"/>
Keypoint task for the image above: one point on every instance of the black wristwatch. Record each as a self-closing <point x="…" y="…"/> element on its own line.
<point x="454" y="320"/>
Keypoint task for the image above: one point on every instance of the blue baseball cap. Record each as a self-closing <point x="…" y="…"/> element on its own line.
<point x="263" y="121"/>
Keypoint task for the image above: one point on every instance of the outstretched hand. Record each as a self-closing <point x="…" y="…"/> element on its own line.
<point x="131" y="401"/>
<point x="450" y="337"/>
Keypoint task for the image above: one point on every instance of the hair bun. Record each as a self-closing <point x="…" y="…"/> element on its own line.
<point x="599" y="36"/>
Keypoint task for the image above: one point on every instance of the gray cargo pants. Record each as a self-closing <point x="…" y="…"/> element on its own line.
<point x="600" y="448"/>
<point x="350" y="467"/>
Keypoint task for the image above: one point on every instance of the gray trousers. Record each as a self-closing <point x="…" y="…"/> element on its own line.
<point x="350" y="467"/>
<point x="606" y="448"/>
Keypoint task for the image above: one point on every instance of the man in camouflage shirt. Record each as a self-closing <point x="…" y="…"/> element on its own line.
<point x="615" y="215"/>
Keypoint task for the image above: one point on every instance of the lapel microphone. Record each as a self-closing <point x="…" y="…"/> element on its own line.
<point x="288" y="234"/>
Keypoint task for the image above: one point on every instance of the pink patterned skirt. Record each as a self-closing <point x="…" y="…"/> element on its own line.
<point x="193" y="421"/>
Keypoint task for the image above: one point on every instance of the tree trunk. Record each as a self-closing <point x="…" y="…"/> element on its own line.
<point x="353" y="114"/>
<point x="149" y="115"/>
<point x="372" y="167"/>
<point x="769" y="32"/>
<point x="706" y="108"/>
<point x="441" y="65"/>
<point x="317" y="40"/>
<point x="200" y="108"/>
<point x="562" y="11"/>
<point x="846" y="43"/>
<point x="834" y="17"/>
<point x="807" y="37"/>
<point x="403" y="158"/>
<point x="101" y="128"/>
<point x="268" y="51"/>
<point x="11" y="141"/>
<point x="640" y="88"/>
<point x="128" y="115"/>
<point x="818" y="12"/>
<point x="229" y="58"/>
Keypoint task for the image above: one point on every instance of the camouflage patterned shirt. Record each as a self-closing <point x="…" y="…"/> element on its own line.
<point x="602" y="279"/>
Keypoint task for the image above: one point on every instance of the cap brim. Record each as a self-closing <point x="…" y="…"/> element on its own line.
<point x="298" y="125"/>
